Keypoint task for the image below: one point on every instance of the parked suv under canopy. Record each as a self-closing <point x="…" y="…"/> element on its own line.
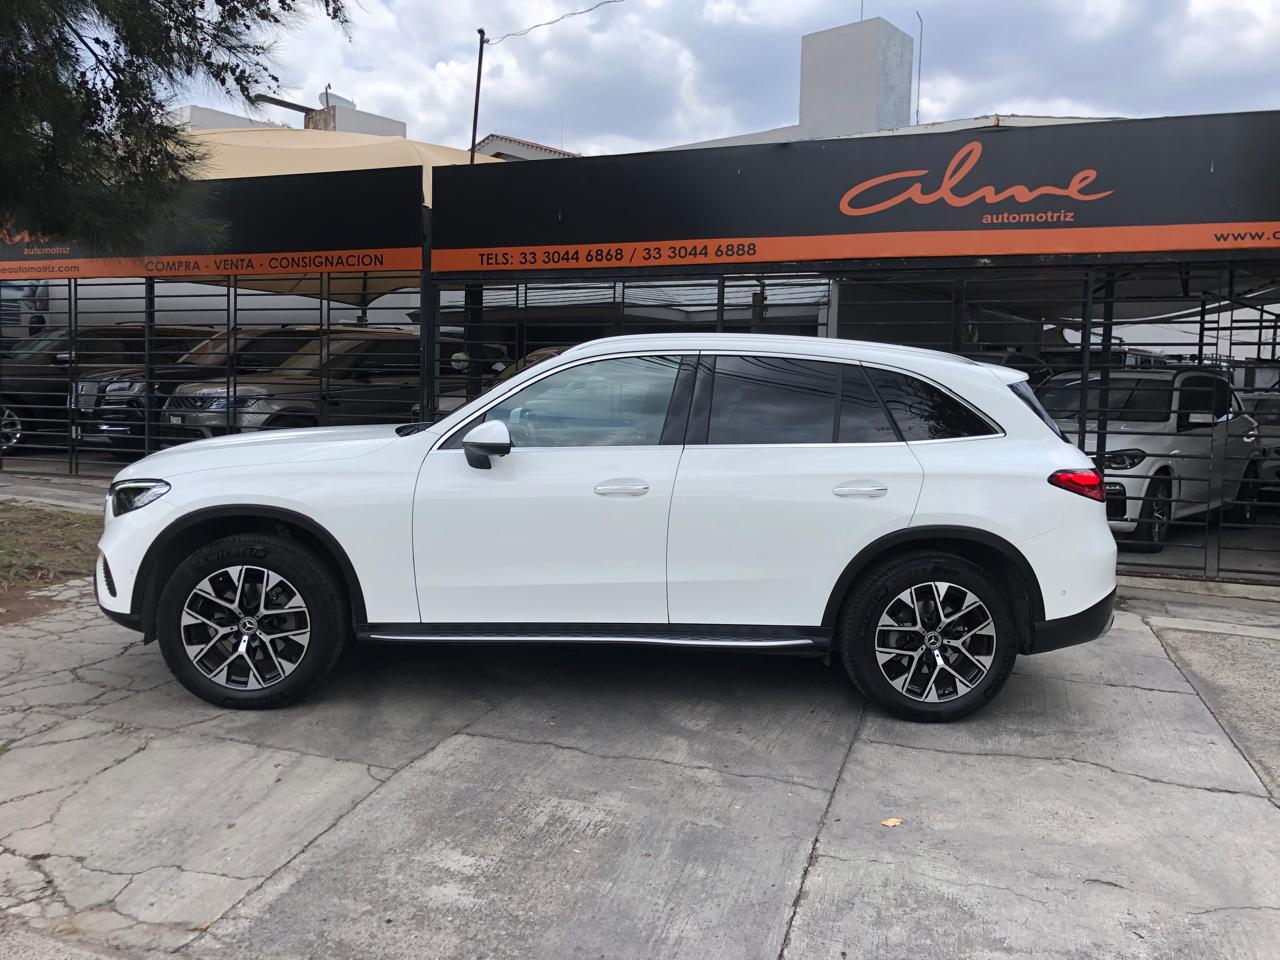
<point x="911" y="512"/>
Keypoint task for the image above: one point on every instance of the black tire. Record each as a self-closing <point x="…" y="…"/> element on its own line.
<point x="289" y="421"/>
<point x="314" y="582"/>
<point x="14" y="428"/>
<point x="875" y="597"/>
<point x="1153" y="529"/>
<point x="1244" y="508"/>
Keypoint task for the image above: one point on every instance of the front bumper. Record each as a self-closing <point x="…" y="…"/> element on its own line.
<point x="1088" y="624"/>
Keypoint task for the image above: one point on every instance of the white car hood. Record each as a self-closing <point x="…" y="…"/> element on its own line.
<point x="269" y="446"/>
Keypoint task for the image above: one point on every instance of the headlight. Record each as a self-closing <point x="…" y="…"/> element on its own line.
<point x="126" y="495"/>
<point x="1124" y="459"/>
<point x="124" y="386"/>
<point x="240" y="403"/>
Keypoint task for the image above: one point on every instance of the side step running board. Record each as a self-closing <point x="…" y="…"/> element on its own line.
<point x="745" y="638"/>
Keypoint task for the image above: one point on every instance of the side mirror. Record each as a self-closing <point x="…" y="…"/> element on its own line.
<point x="1198" y="419"/>
<point x="485" y="440"/>
<point x="61" y="359"/>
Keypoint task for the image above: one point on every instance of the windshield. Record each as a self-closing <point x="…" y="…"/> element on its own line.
<point x="1144" y="400"/>
<point x="264" y="351"/>
<point x="1266" y="410"/>
<point x="308" y="359"/>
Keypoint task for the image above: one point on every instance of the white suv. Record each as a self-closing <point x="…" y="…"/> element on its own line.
<point x="913" y="512"/>
<point x="1179" y="443"/>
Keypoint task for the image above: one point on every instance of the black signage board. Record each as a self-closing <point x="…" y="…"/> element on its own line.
<point x="359" y="220"/>
<point x="1117" y="187"/>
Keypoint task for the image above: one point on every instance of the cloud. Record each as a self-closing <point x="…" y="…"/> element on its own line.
<point x="653" y="73"/>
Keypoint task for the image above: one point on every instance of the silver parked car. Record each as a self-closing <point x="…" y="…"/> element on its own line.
<point x="348" y="377"/>
<point x="1264" y="407"/>
<point x="1164" y="426"/>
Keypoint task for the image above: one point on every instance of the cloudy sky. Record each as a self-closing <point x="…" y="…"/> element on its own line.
<point x="648" y="73"/>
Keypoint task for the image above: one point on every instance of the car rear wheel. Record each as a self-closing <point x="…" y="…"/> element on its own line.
<point x="12" y="428"/>
<point x="289" y="421"/>
<point x="928" y="638"/>
<point x="251" y="621"/>
<point x="1154" y="518"/>
<point x="1244" y="509"/>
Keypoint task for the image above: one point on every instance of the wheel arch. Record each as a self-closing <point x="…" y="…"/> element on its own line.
<point x="195" y="529"/>
<point x="993" y="551"/>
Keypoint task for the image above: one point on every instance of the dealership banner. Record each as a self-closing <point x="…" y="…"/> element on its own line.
<point x="349" y="221"/>
<point x="1205" y="183"/>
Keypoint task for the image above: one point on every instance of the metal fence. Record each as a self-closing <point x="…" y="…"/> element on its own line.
<point x="1167" y="374"/>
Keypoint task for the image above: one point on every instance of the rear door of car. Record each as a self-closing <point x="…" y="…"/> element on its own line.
<point x="791" y="466"/>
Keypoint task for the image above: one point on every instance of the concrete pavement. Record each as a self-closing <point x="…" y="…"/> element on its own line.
<point x="497" y="802"/>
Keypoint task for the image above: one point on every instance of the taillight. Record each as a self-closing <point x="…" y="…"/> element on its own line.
<point x="1087" y="483"/>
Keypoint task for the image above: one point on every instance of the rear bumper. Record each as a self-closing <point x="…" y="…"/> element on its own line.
<point x="1088" y="624"/>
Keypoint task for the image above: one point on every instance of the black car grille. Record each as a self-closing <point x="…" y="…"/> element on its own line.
<point x="178" y="402"/>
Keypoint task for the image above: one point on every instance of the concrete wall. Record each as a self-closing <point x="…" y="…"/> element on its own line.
<point x="853" y="79"/>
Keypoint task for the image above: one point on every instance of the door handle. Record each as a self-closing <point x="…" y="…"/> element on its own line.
<point x="860" y="488"/>
<point x="623" y="487"/>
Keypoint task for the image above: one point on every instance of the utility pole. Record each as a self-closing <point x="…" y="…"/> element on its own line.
<point x="475" y="112"/>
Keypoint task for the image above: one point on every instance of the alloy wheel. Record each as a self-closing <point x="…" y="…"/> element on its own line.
<point x="10" y="428"/>
<point x="935" y="641"/>
<point x="245" y="627"/>
<point x="1161" y="513"/>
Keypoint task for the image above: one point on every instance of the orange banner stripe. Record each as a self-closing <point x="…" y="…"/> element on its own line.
<point x="216" y="265"/>
<point x="993" y="241"/>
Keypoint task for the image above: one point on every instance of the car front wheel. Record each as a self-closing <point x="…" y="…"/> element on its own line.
<point x="251" y="621"/>
<point x="928" y="638"/>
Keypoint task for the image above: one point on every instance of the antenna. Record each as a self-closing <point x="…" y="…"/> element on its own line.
<point x="919" y="65"/>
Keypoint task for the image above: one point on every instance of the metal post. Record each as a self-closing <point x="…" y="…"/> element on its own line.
<point x="1104" y="385"/>
<point x="475" y="110"/>
<point x="472" y="317"/>
<point x="1086" y="342"/>
<point x="73" y="322"/>
<point x="426" y="324"/>
<point x="326" y="351"/>
<point x="233" y="372"/>
<point x="148" y="359"/>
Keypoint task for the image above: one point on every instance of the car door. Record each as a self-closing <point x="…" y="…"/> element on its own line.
<point x="792" y="466"/>
<point x="1242" y="443"/>
<point x="1199" y="432"/>
<point x="571" y="525"/>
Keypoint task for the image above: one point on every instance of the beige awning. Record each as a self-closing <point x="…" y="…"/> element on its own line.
<point x="277" y="151"/>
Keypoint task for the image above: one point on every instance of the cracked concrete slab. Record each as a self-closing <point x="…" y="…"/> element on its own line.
<point x="28" y="769"/>
<point x="640" y="803"/>
<point x="79" y="887"/>
<point x="205" y="805"/>
<point x="1000" y="856"/>
<point x="1236" y="676"/>
<point x="1129" y="656"/>
<point x="385" y="706"/>
<point x="787" y="718"/>
<point x="1161" y="736"/>
<point x="173" y="896"/>
<point x="497" y="849"/>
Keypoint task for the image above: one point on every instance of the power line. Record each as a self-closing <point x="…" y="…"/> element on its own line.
<point x="565" y="16"/>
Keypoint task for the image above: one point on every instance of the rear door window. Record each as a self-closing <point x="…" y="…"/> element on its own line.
<point x="925" y="412"/>
<point x="772" y="400"/>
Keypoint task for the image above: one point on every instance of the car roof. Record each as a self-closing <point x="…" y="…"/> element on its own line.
<point x="832" y="347"/>
<point x="1163" y="372"/>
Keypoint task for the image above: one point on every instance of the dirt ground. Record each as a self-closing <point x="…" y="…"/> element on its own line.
<point x="40" y="548"/>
